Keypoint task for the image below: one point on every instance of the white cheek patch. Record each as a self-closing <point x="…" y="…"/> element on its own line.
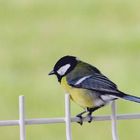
<point x="61" y="71"/>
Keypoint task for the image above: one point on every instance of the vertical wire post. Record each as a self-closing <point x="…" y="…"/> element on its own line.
<point x="68" y="117"/>
<point x="114" y="121"/>
<point x="22" y="118"/>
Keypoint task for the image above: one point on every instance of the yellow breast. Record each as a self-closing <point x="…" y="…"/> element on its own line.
<point x="83" y="97"/>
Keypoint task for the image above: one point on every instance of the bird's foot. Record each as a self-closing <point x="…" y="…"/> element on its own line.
<point x="90" y="117"/>
<point x="80" y="119"/>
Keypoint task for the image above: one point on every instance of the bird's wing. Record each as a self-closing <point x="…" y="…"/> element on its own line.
<point x="96" y="82"/>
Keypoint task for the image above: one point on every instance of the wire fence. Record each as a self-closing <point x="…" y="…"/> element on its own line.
<point x="22" y="122"/>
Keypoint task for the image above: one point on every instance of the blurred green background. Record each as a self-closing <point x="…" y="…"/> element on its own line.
<point x="34" y="34"/>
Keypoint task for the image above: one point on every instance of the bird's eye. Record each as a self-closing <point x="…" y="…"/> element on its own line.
<point x="62" y="70"/>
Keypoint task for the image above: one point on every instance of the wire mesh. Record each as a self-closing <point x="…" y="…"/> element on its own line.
<point x="67" y="119"/>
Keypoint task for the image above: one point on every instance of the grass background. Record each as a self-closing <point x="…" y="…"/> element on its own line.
<point x="34" y="34"/>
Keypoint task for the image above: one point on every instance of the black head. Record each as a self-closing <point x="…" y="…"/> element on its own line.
<point x="63" y="66"/>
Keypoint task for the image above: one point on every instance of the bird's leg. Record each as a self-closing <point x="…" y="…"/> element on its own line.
<point x="89" y="116"/>
<point x="90" y="111"/>
<point x="81" y="117"/>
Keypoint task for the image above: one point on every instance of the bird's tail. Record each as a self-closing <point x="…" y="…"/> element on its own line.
<point x="131" y="98"/>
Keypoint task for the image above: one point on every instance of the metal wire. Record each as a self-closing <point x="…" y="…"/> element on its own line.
<point x="22" y="118"/>
<point x="114" y="121"/>
<point x="68" y="115"/>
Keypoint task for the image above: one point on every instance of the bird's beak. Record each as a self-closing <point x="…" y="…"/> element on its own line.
<point x="52" y="72"/>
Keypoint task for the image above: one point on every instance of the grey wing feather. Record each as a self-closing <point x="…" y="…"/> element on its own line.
<point x="99" y="83"/>
<point x="96" y="81"/>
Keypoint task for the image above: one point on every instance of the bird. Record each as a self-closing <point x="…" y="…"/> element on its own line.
<point x="87" y="86"/>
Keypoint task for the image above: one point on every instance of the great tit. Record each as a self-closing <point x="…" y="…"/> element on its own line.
<point x="87" y="86"/>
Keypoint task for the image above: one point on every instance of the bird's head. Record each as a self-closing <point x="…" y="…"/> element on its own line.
<point x="63" y="66"/>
